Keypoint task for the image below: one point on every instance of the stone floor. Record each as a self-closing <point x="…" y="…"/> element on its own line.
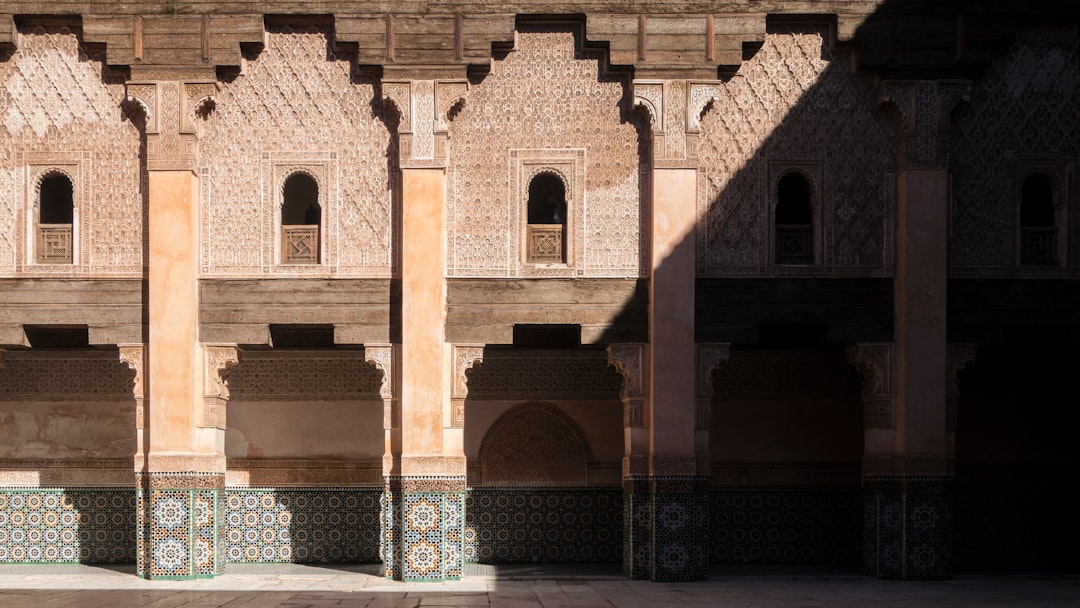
<point x="292" y="586"/>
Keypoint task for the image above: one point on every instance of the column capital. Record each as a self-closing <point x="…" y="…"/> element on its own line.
<point x="709" y="356"/>
<point x="171" y="102"/>
<point x="875" y="361"/>
<point x="925" y="107"/>
<point x="464" y="357"/>
<point x="425" y="107"/>
<point x="957" y="356"/>
<point x="628" y="360"/>
<point x="134" y="356"/>
<point x="220" y="359"/>
<point x="675" y="108"/>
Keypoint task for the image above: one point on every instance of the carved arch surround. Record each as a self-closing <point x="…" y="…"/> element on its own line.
<point x="534" y="444"/>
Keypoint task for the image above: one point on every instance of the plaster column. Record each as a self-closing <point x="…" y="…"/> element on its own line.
<point x="665" y="488"/>
<point x="908" y="485"/>
<point x="424" y="498"/>
<point x="181" y="469"/>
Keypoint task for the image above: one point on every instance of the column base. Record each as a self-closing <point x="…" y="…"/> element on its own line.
<point x="179" y="531"/>
<point x="908" y="527"/>
<point x="666" y="528"/>
<point x="423" y="528"/>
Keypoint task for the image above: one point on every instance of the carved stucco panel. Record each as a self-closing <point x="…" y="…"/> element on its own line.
<point x="1026" y="108"/>
<point x="295" y="102"/>
<point x="55" y="103"/>
<point x="7" y="217"/>
<point x="544" y="95"/>
<point x="789" y="103"/>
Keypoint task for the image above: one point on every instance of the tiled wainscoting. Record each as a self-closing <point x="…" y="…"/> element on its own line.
<point x="302" y="525"/>
<point x="506" y="525"/>
<point x="67" y="525"/>
<point x="786" y="526"/>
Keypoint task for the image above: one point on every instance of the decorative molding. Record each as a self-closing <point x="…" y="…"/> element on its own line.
<point x="925" y="107"/>
<point x="465" y="356"/>
<point x="424" y="110"/>
<point x="134" y="356"/>
<point x="387" y="359"/>
<point x="32" y="375"/>
<point x="220" y="360"/>
<point x="958" y="357"/>
<point x="709" y="357"/>
<point x="628" y="360"/>
<point x="875" y="361"/>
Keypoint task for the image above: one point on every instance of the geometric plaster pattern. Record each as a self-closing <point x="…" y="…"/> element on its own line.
<point x="305" y="376"/>
<point x="534" y="444"/>
<point x="543" y="375"/>
<point x="1024" y="115"/>
<point x="65" y="376"/>
<point x="547" y="95"/>
<point x="795" y="106"/>
<point x="296" y="107"/>
<point x="60" y="113"/>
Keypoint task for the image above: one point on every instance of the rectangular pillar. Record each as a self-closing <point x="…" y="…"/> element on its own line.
<point x="424" y="497"/>
<point x="666" y="493"/>
<point x="907" y="477"/>
<point x="181" y="475"/>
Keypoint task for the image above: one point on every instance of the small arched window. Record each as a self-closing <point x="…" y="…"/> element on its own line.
<point x="794" y="221"/>
<point x="55" y="221"/>
<point x="546" y="239"/>
<point x="301" y="217"/>
<point x="1038" y="238"/>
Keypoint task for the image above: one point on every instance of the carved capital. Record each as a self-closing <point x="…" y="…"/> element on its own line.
<point x="925" y="106"/>
<point x="220" y="360"/>
<point x="134" y="356"/>
<point x="875" y="361"/>
<point x="957" y="357"/>
<point x="425" y="108"/>
<point x="171" y="108"/>
<point x="387" y="359"/>
<point x="675" y="108"/>
<point x="465" y="356"/>
<point x="709" y="356"/>
<point x="628" y="360"/>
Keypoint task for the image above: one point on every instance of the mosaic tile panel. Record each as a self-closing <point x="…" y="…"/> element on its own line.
<point x="525" y="525"/>
<point x="423" y="536"/>
<point x="179" y="533"/>
<point x="907" y="528"/>
<point x="57" y="525"/>
<point x="667" y="528"/>
<point x="680" y="530"/>
<point x="785" y="525"/>
<point x="302" y="525"/>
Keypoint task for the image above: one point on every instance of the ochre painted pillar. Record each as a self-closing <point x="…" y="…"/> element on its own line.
<point x="908" y="470"/>
<point x="424" y="497"/>
<point x="665" y="486"/>
<point x="181" y="468"/>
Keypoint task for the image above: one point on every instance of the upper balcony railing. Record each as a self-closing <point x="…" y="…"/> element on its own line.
<point x="300" y="244"/>
<point x="794" y="244"/>
<point x="54" y="244"/>
<point x="545" y="244"/>
<point x="1037" y="246"/>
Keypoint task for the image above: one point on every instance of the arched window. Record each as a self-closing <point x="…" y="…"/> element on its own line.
<point x="56" y="212"/>
<point x="794" y="221"/>
<point x="1038" y="242"/>
<point x="301" y="217"/>
<point x="546" y="239"/>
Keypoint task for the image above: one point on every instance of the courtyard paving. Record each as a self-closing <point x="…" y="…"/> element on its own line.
<point x="293" y="586"/>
